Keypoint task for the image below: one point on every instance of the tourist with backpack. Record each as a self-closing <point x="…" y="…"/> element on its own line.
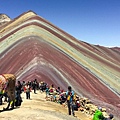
<point x="69" y="96"/>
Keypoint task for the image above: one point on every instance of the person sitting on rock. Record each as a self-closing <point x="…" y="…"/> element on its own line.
<point x="76" y="106"/>
<point x="62" y="98"/>
<point x="110" y="117"/>
<point x="98" y="114"/>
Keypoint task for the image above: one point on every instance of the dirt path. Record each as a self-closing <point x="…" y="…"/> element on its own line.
<point x="39" y="109"/>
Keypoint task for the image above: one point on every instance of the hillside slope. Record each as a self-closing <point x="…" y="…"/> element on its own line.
<point x="31" y="47"/>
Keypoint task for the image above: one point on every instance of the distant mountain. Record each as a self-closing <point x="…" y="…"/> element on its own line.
<point x="117" y="49"/>
<point x="33" y="48"/>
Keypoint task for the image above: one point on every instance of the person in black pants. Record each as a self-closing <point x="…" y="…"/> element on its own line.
<point x="69" y="96"/>
<point x="18" y="91"/>
<point x="34" y="85"/>
<point x="18" y="88"/>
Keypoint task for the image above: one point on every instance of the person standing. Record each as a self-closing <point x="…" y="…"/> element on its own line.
<point x="18" y="88"/>
<point x="18" y="91"/>
<point x="27" y="91"/>
<point x="69" y="96"/>
<point x="34" y="85"/>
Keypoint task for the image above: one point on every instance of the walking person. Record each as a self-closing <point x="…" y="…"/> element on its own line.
<point x="69" y="96"/>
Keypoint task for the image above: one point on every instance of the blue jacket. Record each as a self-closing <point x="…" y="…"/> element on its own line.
<point x="70" y="95"/>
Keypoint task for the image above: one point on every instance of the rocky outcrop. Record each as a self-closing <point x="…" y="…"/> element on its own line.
<point x="4" y="19"/>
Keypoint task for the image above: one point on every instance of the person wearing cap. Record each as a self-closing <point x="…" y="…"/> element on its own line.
<point x="98" y="114"/>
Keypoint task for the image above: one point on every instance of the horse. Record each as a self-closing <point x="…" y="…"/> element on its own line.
<point x="7" y="85"/>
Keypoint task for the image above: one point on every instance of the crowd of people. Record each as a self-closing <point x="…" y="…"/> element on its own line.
<point x="68" y="98"/>
<point x="55" y="94"/>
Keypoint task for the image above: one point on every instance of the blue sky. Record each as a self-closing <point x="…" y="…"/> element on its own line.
<point x="92" y="21"/>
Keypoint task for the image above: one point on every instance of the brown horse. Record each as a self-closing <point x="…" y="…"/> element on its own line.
<point x="7" y="84"/>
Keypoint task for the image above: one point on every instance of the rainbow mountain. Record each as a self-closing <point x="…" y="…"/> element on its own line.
<point x="33" y="48"/>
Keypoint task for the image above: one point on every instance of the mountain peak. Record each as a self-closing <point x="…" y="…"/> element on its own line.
<point x="4" y="19"/>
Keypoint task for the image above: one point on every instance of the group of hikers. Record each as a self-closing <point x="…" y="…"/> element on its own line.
<point x="55" y="94"/>
<point x="72" y="100"/>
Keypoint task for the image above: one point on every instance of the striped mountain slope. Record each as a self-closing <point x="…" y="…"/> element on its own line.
<point x="32" y="47"/>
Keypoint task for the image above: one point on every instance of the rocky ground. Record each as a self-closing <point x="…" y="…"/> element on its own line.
<point x="37" y="108"/>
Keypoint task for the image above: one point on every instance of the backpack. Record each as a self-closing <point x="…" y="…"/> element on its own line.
<point x="70" y="95"/>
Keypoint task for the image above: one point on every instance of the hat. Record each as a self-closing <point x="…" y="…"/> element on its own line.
<point x="111" y="116"/>
<point x="99" y="108"/>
